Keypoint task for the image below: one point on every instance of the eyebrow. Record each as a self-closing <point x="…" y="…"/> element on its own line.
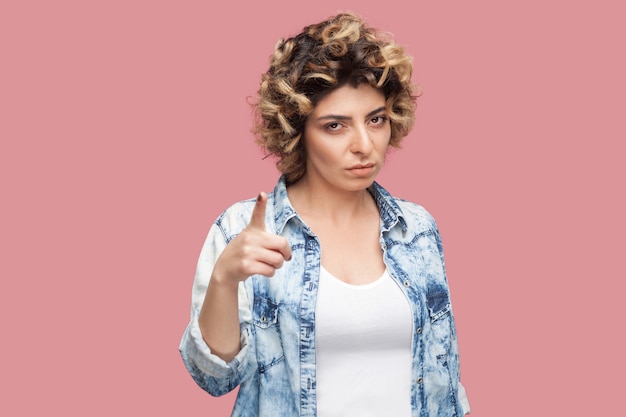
<point x="340" y="117"/>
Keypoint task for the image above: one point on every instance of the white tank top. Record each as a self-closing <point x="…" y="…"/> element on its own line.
<point x="363" y="348"/>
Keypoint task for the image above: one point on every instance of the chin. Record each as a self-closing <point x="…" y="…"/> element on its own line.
<point x="360" y="183"/>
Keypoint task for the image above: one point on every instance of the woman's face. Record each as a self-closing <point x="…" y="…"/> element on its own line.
<point x="346" y="138"/>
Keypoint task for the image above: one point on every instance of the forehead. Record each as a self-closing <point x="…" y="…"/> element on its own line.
<point x="348" y="99"/>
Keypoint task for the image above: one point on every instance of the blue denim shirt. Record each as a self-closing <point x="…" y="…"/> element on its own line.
<point x="275" y="367"/>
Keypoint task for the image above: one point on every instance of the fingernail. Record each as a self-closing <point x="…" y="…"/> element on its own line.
<point x="258" y="197"/>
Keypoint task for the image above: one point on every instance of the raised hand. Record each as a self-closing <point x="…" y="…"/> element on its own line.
<point x="253" y="251"/>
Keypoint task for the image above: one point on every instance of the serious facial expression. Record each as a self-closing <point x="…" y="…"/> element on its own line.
<point x="346" y="138"/>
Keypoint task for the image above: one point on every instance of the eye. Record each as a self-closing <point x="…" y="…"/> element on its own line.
<point x="378" y="120"/>
<point x="333" y="127"/>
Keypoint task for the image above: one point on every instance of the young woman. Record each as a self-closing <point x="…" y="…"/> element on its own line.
<point x="328" y="297"/>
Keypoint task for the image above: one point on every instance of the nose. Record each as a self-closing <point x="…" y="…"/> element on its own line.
<point x="361" y="142"/>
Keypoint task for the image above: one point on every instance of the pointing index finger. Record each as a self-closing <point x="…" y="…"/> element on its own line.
<point x="257" y="221"/>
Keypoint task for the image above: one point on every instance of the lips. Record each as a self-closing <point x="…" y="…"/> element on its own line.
<point x="361" y="166"/>
<point x="362" y="170"/>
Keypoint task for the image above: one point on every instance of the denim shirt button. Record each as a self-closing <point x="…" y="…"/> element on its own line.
<point x="419" y="330"/>
<point x="420" y="380"/>
<point x="407" y="284"/>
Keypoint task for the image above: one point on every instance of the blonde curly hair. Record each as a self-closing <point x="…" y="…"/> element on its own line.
<point x="323" y="57"/>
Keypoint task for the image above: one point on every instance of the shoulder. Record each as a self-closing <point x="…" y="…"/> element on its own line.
<point x="418" y="219"/>
<point x="235" y="218"/>
<point x="415" y="213"/>
<point x="412" y="216"/>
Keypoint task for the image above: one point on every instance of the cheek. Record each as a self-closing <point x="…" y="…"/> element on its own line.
<point x="382" y="143"/>
<point x="321" y="156"/>
<point x="327" y="152"/>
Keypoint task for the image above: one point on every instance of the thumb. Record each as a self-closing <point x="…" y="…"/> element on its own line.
<point x="257" y="221"/>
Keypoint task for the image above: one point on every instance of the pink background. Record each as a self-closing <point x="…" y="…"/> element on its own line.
<point x="124" y="132"/>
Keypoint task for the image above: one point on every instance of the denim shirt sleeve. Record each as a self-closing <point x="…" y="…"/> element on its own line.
<point x="461" y="395"/>
<point x="209" y="371"/>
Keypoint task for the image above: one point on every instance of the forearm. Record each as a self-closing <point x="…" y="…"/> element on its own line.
<point x="219" y="318"/>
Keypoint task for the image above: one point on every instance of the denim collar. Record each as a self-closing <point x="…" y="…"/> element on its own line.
<point x="390" y="212"/>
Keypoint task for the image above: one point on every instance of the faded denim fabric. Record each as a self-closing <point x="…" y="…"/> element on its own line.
<point x="276" y="364"/>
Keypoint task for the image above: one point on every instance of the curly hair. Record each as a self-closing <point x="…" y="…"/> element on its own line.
<point x="323" y="57"/>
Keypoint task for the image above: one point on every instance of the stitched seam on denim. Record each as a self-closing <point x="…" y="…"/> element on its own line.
<point x="274" y="362"/>
<point x="441" y="313"/>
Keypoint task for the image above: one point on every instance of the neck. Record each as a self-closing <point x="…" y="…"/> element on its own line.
<point x="329" y="203"/>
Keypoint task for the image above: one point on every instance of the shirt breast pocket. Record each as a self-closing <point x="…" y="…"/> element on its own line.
<point x="439" y="310"/>
<point x="269" y="348"/>
<point x="265" y="313"/>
